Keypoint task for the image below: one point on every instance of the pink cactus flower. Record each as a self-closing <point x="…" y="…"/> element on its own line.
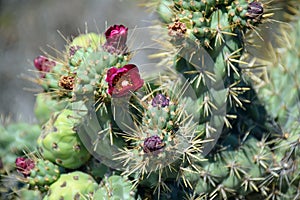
<point x="124" y="80"/>
<point x="116" y="37"/>
<point x="24" y="165"/>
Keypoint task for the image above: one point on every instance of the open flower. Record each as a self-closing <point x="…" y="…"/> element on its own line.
<point x="43" y="64"/>
<point x="116" y="37"/>
<point x="24" y="165"/>
<point x="124" y="80"/>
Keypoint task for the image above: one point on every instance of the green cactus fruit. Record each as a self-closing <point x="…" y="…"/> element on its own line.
<point x="41" y="175"/>
<point x="50" y="82"/>
<point x="45" y="105"/>
<point x="115" y="188"/>
<point x="74" y="185"/>
<point x="163" y="114"/>
<point x="59" y="141"/>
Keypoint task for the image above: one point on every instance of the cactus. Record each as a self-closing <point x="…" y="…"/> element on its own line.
<point x="202" y="130"/>
<point x="60" y="143"/>
<point x="15" y="138"/>
<point x="46" y="105"/>
<point x="38" y="173"/>
<point x="74" y="185"/>
<point x="114" y="187"/>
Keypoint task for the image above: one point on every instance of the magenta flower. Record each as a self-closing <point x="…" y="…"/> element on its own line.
<point x="116" y="37"/>
<point x="24" y="165"/>
<point x="43" y="64"/>
<point x="124" y="80"/>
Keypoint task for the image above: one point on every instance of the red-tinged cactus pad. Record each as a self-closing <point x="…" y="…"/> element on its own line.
<point x="72" y="186"/>
<point x="59" y="141"/>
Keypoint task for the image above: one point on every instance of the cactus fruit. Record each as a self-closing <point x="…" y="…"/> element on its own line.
<point x="74" y="185"/>
<point x="38" y="173"/>
<point x="59" y="142"/>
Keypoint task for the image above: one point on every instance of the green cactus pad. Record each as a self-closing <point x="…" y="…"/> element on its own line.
<point x="59" y="141"/>
<point x="75" y="185"/>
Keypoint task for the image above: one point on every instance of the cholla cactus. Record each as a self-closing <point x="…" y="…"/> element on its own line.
<point x="202" y="130"/>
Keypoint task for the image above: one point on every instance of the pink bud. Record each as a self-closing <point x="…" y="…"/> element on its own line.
<point x="116" y="37"/>
<point x="43" y="64"/>
<point x="24" y="165"/>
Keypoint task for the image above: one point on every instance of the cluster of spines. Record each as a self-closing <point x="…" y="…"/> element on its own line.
<point x="205" y="21"/>
<point x="250" y="115"/>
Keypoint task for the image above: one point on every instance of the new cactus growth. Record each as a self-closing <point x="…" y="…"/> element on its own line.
<point x="202" y="130"/>
<point x="38" y="173"/>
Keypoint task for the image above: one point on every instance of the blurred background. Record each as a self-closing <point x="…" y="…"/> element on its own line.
<point x="29" y="26"/>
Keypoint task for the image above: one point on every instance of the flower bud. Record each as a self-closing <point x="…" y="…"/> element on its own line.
<point x="43" y="64"/>
<point x="160" y="100"/>
<point x="255" y="11"/>
<point x="116" y="37"/>
<point x="153" y="143"/>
